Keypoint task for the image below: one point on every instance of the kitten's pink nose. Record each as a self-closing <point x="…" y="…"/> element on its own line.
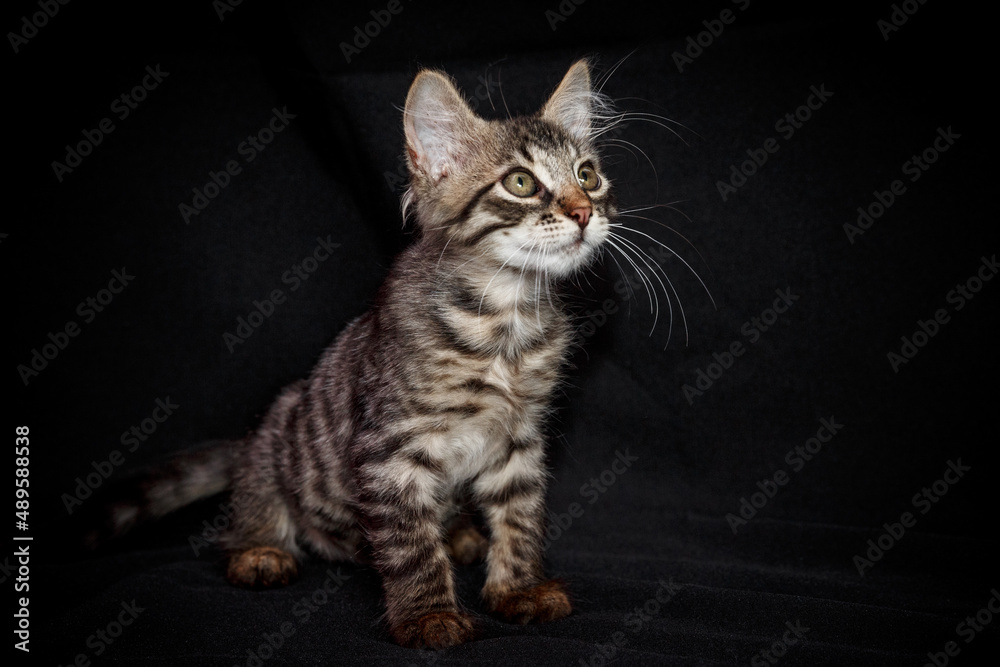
<point x="581" y="215"/>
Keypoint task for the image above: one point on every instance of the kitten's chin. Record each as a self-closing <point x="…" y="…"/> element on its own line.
<point x="564" y="260"/>
<point x="572" y="256"/>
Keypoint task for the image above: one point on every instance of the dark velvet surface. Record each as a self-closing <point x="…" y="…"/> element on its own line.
<point x="662" y="434"/>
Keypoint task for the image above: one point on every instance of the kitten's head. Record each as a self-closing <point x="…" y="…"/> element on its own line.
<point x="526" y="193"/>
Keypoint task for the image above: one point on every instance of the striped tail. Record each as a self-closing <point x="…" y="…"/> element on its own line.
<point x="182" y="480"/>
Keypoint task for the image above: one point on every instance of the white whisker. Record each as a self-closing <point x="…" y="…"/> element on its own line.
<point x="502" y="98"/>
<point x="674" y="253"/>
<point x="487" y="288"/>
<point x="680" y="305"/>
<point x="459" y="267"/>
<point x="642" y="276"/>
<point x="548" y="291"/>
<point x="651" y="165"/>
<point x="603" y="80"/>
<point x="652" y="266"/>
<point x="538" y="300"/>
<point x="441" y="256"/>
<point x="628" y="285"/>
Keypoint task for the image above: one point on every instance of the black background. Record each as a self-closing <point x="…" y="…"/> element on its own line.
<point x="331" y="174"/>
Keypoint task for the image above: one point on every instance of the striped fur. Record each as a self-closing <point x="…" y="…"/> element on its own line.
<point x="184" y="479"/>
<point x="432" y="404"/>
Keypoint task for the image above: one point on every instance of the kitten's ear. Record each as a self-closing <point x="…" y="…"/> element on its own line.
<point x="571" y="104"/>
<point x="440" y="126"/>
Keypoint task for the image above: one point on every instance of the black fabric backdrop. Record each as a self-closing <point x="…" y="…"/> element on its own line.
<point x="645" y="471"/>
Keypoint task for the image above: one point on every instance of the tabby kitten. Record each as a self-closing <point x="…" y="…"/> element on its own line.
<point x="432" y="403"/>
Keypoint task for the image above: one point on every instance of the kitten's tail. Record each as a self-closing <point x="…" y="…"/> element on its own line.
<point x="183" y="479"/>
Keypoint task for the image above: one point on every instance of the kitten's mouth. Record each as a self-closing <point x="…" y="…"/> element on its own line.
<point x="580" y="240"/>
<point x="576" y="248"/>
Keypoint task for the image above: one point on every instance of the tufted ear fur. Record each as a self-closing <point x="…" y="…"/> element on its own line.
<point x="440" y="127"/>
<point x="571" y="105"/>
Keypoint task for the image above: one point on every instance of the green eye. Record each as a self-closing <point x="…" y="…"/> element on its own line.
<point x="587" y="178"/>
<point x="520" y="184"/>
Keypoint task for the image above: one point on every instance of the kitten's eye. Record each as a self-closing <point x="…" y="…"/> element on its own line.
<point x="587" y="178"/>
<point x="520" y="184"/>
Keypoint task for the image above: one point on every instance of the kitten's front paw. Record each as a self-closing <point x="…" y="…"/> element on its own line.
<point x="262" y="567"/>
<point x="538" y="604"/>
<point x="436" y="630"/>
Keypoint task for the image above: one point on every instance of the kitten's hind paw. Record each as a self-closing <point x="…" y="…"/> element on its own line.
<point x="436" y="630"/>
<point x="467" y="545"/>
<point x="262" y="567"/>
<point x="539" y="604"/>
